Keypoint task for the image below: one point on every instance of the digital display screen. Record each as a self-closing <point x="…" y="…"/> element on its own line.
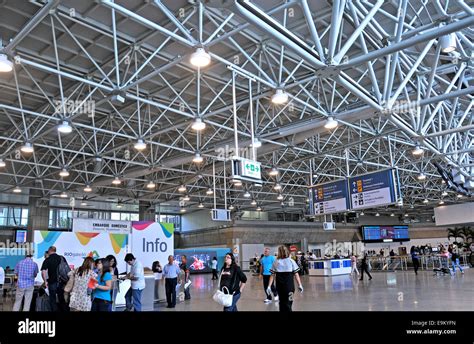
<point x="20" y="235"/>
<point x="385" y="233"/>
<point x="198" y="261"/>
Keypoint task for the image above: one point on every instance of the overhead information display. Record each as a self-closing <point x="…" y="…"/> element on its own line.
<point x="330" y="198"/>
<point x="372" y="190"/>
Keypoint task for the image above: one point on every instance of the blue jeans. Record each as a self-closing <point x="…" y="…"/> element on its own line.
<point x="100" y="305"/>
<point x="233" y="307"/>
<point x="134" y="296"/>
<point x="456" y="263"/>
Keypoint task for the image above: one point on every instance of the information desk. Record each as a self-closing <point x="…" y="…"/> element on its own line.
<point x="329" y="267"/>
<point x="148" y="294"/>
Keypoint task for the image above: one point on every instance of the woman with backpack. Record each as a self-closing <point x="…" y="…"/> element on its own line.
<point x="232" y="281"/>
<point x="80" y="300"/>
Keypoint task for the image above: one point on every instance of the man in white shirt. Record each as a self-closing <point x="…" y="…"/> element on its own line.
<point x="137" y="277"/>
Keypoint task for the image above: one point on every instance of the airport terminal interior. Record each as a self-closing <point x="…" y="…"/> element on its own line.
<point x="210" y="155"/>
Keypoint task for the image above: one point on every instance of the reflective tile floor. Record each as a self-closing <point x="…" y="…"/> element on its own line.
<point x="387" y="291"/>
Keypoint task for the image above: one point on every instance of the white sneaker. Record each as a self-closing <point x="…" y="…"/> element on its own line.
<point x="276" y="298"/>
<point x="267" y="301"/>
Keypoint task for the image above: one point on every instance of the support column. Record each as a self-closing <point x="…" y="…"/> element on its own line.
<point x="38" y="213"/>
<point x="146" y="211"/>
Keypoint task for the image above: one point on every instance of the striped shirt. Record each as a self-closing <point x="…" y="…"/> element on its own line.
<point x="26" y="271"/>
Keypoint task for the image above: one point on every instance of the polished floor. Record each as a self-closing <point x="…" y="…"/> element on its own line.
<point x="387" y="291"/>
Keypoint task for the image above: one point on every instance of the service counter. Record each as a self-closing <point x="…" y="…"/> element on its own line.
<point x="329" y="267"/>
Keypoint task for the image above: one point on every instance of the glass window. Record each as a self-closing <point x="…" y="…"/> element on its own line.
<point x="134" y="217"/>
<point x="115" y="216"/>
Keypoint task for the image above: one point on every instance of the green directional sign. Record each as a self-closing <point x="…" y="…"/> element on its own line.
<point x="251" y="169"/>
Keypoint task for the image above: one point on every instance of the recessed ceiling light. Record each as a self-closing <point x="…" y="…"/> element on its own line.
<point x="27" y="147"/>
<point x="140" y="145"/>
<point x="65" y="127"/>
<point x="200" y="58"/>
<point x="5" y="64"/>
<point x="331" y="123"/>
<point x="198" y="124"/>
<point x="279" y="97"/>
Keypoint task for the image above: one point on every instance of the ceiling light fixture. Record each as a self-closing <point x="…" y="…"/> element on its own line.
<point x="209" y="191"/>
<point x="279" y="97"/>
<point x="421" y="176"/>
<point x="254" y="202"/>
<point x="362" y="213"/>
<point x="198" y="158"/>
<point x="259" y="208"/>
<point x="417" y="151"/>
<point x="182" y="188"/>
<point x="65" y="127"/>
<point x="444" y="193"/>
<point x="83" y="203"/>
<point x="64" y="173"/>
<point x="406" y="215"/>
<point x="247" y="194"/>
<point x="392" y="214"/>
<point x="425" y="201"/>
<point x="182" y="210"/>
<point x="27" y="147"/>
<point x="198" y="124"/>
<point x="274" y="172"/>
<point x="5" y="64"/>
<point x="119" y="205"/>
<point x="17" y="189"/>
<point x="277" y="186"/>
<point x="377" y="214"/>
<point x="201" y="205"/>
<point x="2" y="163"/>
<point x="280" y="197"/>
<point x="459" y="196"/>
<point x="63" y="194"/>
<point x="448" y="43"/>
<point x="140" y="145"/>
<point x="256" y="143"/>
<point x="186" y="198"/>
<point x="150" y="185"/>
<point x="200" y="58"/>
<point x="331" y="123"/>
<point x="441" y="202"/>
<point x="88" y="188"/>
<point x="116" y="181"/>
<point x="231" y="207"/>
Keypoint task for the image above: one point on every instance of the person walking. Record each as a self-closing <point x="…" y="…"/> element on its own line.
<point x="414" y="259"/>
<point x="365" y="267"/>
<point x="170" y="273"/>
<point x="266" y="264"/>
<point x="102" y="298"/>
<point x="284" y="270"/>
<point x="80" y="299"/>
<point x="183" y="266"/>
<point x="354" y="265"/>
<point x="133" y="297"/>
<point x="26" y="271"/>
<point x="214" y="268"/>
<point x="455" y="259"/>
<point x="233" y="279"/>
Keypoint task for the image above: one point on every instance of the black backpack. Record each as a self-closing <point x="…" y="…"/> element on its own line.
<point x="63" y="270"/>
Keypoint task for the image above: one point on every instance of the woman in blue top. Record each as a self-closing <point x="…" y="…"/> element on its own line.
<point x="102" y="299"/>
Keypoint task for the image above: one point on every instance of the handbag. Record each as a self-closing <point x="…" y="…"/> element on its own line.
<point x="222" y="298"/>
<point x="70" y="283"/>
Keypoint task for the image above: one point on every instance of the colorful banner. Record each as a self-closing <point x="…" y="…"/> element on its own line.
<point x="93" y="225"/>
<point x="152" y="241"/>
<point x="75" y="246"/>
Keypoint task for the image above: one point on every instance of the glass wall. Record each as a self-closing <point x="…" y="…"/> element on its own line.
<point x="13" y="216"/>
<point x="62" y="218"/>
